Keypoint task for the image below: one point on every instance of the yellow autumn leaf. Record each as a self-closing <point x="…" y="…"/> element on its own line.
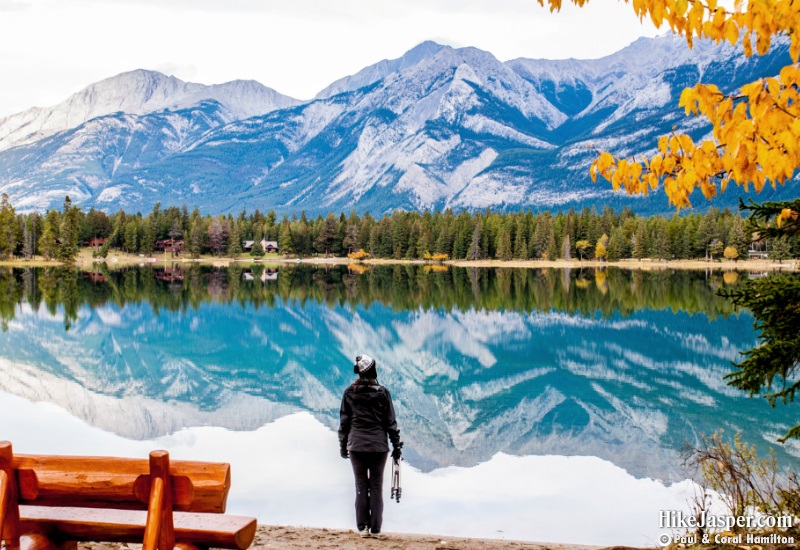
<point x="786" y="214"/>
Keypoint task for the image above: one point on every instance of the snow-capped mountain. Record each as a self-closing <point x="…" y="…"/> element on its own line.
<point x="93" y="154"/>
<point x="439" y="127"/>
<point x="137" y="92"/>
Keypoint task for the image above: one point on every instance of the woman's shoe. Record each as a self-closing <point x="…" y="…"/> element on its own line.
<point x="364" y="533"/>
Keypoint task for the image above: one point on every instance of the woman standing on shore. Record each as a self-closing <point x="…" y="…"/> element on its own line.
<point x="366" y="418"/>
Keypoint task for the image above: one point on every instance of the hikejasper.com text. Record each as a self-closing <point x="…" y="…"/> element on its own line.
<point x="675" y="519"/>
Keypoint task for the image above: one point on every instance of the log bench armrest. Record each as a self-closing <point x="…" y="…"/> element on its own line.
<point x="112" y="525"/>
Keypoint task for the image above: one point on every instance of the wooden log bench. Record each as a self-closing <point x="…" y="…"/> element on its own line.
<point x="51" y="502"/>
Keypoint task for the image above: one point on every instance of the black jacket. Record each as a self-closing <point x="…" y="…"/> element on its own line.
<point x="367" y="417"/>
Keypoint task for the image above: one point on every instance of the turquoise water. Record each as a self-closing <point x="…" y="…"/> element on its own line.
<point x="619" y="367"/>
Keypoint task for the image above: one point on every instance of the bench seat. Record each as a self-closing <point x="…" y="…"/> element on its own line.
<point x="112" y="525"/>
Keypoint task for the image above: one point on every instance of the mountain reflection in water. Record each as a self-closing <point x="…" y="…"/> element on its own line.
<point x="624" y="366"/>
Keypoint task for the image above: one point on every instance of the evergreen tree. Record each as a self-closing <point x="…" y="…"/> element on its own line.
<point x="399" y="235"/>
<point x="637" y="246"/>
<point x="504" y="245"/>
<point x="68" y="231"/>
<point x="374" y="241"/>
<point x="521" y="239"/>
<point x="326" y="237"/>
<point x="617" y="245"/>
<point x="97" y="225"/>
<point x="9" y="228"/>
<point x="737" y="237"/>
<point x="413" y="239"/>
<point x="542" y="235"/>
<point x="156" y="219"/>
<point x="131" y="242"/>
<point x="364" y="232"/>
<point x="285" y="241"/>
<point x="463" y="236"/>
<point x="102" y="252"/>
<point x="773" y="365"/>
<point x="196" y="238"/>
<point x="350" y="241"/>
<point x="271" y="229"/>
<point x="706" y="232"/>
<point x="148" y="244"/>
<point x="552" y="247"/>
<point x="48" y="242"/>
<point x="425" y="243"/>
<point x="185" y="223"/>
<point x="300" y="238"/>
<point x="781" y="249"/>
<point x="475" y="245"/>
<point x="257" y="251"/>
<point x="661" y="244"/>
<point x="33" y="231"/>
<point x="235" y="241"/>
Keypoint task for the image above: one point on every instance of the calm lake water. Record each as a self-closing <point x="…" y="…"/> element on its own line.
<point x="548" y="405"/>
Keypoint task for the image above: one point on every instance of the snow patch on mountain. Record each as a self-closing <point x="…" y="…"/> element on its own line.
<point x="484" y="125"/>
<point x="490" y="190"/>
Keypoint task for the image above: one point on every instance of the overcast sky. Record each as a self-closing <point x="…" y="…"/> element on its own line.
<point x="52" y="48"/>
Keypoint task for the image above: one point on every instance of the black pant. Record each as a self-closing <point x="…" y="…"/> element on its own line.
<point x="368" y="470"/>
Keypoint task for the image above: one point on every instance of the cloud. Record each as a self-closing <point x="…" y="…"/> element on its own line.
<point x="13" y="5"/>
<point x="297" y="47"/>
<point x="312" y="9"/>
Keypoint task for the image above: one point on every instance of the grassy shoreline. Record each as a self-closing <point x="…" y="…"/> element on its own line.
<point x="85" y="261"/>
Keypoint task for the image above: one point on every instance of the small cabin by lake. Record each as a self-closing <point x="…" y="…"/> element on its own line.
<point x="269" y="247"/>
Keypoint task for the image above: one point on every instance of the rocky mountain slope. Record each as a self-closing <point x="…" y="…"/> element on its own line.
<point x="437" y="128"/>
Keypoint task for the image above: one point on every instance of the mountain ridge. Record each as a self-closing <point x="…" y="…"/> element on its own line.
<point x="136" y="92"/>
<point x="439" y="127"/>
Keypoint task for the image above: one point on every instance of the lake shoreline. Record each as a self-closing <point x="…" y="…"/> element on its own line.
<point x="287" y="537"/>
<point x="85" y="261"/>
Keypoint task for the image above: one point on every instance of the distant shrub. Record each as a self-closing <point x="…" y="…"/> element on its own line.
<point x="731" y="253"/>
<point x="359" y="255"/>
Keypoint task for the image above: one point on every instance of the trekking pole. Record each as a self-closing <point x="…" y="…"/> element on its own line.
<point x="396" y="490"/>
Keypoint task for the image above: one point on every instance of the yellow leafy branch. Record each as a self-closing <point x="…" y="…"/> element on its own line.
<point x="756" y="139"/>
<point x="756" y="133"/>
